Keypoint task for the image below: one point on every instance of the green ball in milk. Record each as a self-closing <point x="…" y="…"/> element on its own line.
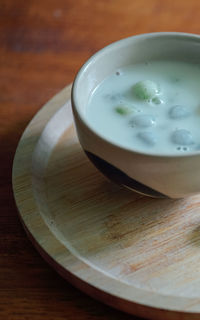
<point x="143" y="109"/>
<point x="124" y="110"/>
<point x="146" y="89"/>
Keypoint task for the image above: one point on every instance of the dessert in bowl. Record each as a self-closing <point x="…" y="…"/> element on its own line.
<point x="136" y="106"/>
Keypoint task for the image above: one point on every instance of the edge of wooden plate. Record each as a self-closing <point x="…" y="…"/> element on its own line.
<point x="91" y="281"/>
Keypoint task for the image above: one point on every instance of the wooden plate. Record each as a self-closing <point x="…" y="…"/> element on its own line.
<point x="138" y="254"/>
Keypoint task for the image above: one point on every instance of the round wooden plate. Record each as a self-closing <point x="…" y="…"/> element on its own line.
<point x="135" y="253"/>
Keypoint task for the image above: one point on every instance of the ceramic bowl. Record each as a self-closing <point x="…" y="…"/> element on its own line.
<point x="156" y="175"/>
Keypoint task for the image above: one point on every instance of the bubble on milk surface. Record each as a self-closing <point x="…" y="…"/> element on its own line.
<point x="118" y="73"/>
<point x="181" y="148"/>
<point x="157" y="100"/>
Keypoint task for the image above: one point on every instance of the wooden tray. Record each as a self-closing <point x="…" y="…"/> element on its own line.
<point x="135" y="253"/>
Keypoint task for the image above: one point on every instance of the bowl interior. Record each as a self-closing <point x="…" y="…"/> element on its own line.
<point x="129" y="51"/>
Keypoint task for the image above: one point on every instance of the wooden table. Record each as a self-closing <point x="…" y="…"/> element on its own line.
<point x="42" y="46"/>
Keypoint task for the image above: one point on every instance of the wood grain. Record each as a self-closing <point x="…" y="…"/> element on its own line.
<point x="42" y="45"/>
<point x="135" y="253"/>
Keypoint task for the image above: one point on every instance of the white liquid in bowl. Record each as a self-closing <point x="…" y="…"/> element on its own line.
<point x="165" y="120"/>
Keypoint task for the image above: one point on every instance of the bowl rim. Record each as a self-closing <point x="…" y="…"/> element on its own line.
<point x="110" y="47"/>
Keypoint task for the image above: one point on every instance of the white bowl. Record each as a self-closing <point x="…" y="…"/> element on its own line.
<point x="157" y="175"/>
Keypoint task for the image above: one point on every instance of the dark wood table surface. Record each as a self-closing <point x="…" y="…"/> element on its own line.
<point x="43" y="43"/>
